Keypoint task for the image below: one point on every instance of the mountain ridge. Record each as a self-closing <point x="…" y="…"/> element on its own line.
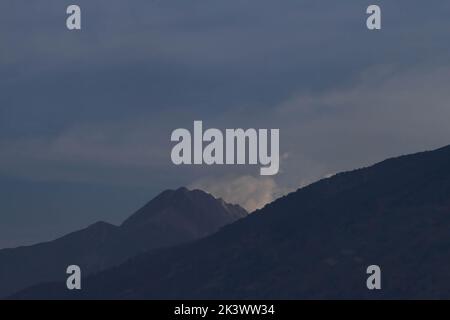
<point x="102" y="245"/>
<point x="315" y="243"/>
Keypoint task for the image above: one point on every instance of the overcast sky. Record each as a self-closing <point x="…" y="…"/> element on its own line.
<point x="86" y="117"/>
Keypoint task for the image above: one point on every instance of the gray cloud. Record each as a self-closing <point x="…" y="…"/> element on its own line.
<point x="97" y="107"/>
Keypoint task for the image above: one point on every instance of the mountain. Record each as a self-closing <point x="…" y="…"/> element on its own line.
<point x="179" y="216"/>
<point x="172" y="218"/>
<point x="315" y="243"/>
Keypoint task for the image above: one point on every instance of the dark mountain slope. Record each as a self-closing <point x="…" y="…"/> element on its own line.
<point x="23" y="266"/>
<point x="314" y="243"/>
<point x="171" y="218"/>
<point x="178" y="216"/>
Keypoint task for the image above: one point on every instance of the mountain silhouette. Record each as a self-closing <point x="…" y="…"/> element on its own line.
<point x="171" y="218"/>
<point x="315" y="243"/>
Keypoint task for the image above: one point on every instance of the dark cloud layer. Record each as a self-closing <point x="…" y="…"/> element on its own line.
<point x="85" y="116"/>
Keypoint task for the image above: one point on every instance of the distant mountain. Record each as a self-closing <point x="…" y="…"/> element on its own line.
<point x="178" y="216"/>
<point x="315" y="243"/>
<point x="172" y="218"/>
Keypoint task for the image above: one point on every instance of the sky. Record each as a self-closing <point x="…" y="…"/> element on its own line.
<point x="86" y="116"/>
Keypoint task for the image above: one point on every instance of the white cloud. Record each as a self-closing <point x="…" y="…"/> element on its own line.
<point x="250" y="192"/>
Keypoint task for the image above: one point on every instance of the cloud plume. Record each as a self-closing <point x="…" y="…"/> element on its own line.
<point x="250" y="192"/>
